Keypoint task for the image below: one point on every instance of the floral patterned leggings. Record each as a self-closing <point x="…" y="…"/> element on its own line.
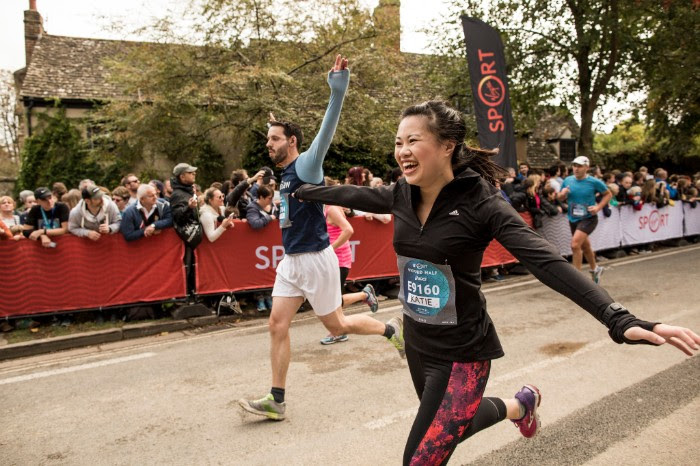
<point x="451" y="408"/>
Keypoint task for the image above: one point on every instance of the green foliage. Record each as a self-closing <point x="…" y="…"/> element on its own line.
<point x="56" y="152"/>
<point x="260" y="57"/>
<point x="558" y="52"/>
<point x="669" y="60"/>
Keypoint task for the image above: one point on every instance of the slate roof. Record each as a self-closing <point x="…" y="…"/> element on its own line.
<point x="73" y="68"/>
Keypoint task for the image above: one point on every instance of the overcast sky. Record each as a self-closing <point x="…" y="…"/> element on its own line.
<point x="91" y="18"/>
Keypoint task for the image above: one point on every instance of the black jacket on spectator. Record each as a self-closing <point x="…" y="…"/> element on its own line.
<point x="237" y="198"/>
<point x="179" y="202"/>
<point x="621" y="195"/>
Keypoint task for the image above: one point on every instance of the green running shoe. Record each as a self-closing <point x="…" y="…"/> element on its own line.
<point x="266" y="406"/>
<point x="397" y="338"/>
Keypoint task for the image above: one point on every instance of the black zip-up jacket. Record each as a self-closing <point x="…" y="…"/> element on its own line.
<point x="467" y="214"/>
<point x="179" y="202"/>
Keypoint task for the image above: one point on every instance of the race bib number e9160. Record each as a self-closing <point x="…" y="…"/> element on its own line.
<point x="427" y="291"/>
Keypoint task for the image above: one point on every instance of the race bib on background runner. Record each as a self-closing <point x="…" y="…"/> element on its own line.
<point x="427" y="291"/>
<point x="579" y="210"/>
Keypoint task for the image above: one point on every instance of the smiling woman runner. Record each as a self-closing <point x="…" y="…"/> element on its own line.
<point x="446" y="212"/>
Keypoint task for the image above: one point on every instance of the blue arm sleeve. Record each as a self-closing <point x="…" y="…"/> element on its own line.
<point x="310" y="163"/>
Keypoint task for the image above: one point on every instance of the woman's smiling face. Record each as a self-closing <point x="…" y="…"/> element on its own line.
<point x="420" y="155"/>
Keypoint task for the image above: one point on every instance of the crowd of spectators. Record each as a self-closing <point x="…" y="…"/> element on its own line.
<point x="139" y="211"/>
<point x="534" y="190"/>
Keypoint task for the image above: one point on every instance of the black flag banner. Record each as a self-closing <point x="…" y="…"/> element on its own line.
<point x="487" y="70"/>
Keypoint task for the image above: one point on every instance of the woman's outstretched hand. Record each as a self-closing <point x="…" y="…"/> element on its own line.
<point x="682" y="338"/>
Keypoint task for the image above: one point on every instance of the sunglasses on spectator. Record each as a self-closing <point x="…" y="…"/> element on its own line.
<point x="220" y="196"/>
<point x="132" y="181"/>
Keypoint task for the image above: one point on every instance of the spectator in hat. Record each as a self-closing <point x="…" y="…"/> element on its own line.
<point x="85" y="183"/>
<point x="148" y="217"/>
<point x="46" y="220"/>
<point x="267" y="176"/>
<point x="94" y="216"/>
<point x="185" y="208"/>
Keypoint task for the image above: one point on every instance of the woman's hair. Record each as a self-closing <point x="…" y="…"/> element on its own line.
<point x="532" y="189"/>
<point x="355" y="176"/>
<point x="649" y="191"/>
<point x="71" y="198"/>
<point x="330" y="181"/>
<point x="8" y="198"/>
<point x="447" y="124"/>
<point x="209" y="194"/>
<point x="368" y="176"/>
<point x="160" y="187"/>
<point x="122" y="192"/>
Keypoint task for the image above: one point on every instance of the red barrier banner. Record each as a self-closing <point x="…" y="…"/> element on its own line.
<point x="84" y="274"/>
<point x="246" y="259"/>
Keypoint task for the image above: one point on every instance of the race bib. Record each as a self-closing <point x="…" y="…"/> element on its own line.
<point x="427" y="291"/>
<point x="579" y="210"/>
<point x="284" y="211"/>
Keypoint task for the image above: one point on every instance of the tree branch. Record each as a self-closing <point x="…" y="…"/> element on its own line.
<point x="331" y="50"/>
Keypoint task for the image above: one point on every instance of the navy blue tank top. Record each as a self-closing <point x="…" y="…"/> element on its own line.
<point x="303" y="223"/>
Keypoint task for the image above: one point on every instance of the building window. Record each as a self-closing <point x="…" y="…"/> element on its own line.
<point x="567" y="150"/>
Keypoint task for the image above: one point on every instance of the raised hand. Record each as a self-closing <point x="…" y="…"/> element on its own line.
<point x="682" y="338"/>
<point x="340" y="63"/>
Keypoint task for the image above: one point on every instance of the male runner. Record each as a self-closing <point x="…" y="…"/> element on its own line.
<point x="309" y="269"/>
<point x="581" y="189"/>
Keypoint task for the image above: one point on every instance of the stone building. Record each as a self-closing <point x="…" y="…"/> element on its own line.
<point x="74" y="70"/>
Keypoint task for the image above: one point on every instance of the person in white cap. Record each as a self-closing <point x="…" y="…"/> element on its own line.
<point x="580" y="189"/>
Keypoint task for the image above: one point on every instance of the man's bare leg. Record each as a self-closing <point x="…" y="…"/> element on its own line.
<point x="283" y="311"/>
<point x="338" y="324"/>
<point x="577" y="248"/>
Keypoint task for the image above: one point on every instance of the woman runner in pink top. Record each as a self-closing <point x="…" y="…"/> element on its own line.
<point x="339" y="232"/>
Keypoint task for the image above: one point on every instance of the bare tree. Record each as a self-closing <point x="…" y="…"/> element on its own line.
<point x="9" y="119"/>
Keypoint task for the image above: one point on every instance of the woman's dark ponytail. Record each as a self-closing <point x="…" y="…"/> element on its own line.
<point x="448" y="124"/>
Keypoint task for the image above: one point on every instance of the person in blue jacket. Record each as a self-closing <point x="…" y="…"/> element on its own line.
<point x="148" y="217"/>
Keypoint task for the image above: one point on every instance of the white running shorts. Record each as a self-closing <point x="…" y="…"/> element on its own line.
<point x="312" y="275"/>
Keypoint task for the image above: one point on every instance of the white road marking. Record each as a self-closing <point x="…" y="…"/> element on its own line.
<point x="66" y="370"/>
<point x="411" y="413"/>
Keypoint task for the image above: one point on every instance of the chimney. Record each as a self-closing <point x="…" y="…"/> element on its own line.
<point x="33" y="29"/>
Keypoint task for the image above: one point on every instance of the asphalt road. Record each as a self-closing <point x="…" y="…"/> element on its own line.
<point x="171" y="399"/>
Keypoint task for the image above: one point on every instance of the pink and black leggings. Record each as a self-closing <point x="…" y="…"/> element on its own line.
<point x="451" y="408"/>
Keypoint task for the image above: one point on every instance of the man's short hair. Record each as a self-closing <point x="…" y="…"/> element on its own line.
<point x="143" y="190"/>
<point x="290" y="129"/>
<point x="128" y="175"/>
<point x="264" y="191"/>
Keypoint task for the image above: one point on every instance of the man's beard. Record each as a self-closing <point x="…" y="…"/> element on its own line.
<point x="280" y="155"/>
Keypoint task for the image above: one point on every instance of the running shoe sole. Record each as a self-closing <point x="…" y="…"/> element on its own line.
<point x="268" y="414"/>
